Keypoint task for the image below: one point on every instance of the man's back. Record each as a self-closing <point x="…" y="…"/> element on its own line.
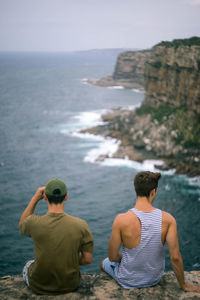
<point x="143" y="260"/>
<point x="130" y="227"/>
<point x="58" y="239"/>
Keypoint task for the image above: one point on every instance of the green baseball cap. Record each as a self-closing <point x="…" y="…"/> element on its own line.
<point x="56" y="188"/>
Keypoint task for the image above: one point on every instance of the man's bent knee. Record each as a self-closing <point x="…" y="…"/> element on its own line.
<point x="25" y="271"/>
<point x="109" y="267"/>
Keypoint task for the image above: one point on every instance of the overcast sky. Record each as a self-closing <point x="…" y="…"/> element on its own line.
<point x="66" y="25"/>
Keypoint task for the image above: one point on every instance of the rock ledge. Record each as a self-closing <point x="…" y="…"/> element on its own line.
<point x="102" y="287"/>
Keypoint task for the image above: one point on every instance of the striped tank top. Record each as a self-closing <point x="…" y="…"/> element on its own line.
<point x="144" y="265"/>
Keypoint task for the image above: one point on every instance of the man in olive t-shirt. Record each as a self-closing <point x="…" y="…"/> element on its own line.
<point x="61" y="243"/>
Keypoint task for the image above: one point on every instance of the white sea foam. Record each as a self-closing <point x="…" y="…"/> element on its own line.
<point x="131" y="107"/>
<point x="116" y="87"/>
<point x="91" y="118"/>
<point x="140" y="91"/>
<point x="88" y="136"/>
<point x="81" y="121"/>
<point x="194" y="180"/>
<point x="106" y="148"/>
<point x="148" y="165"/>
<point x="167" y="187"/>
<point x="84" y="80"/>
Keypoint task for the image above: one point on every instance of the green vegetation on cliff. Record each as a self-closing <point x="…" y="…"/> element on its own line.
<point x="188" y="128"/>
<point x="193" y="41"/>
<point x="156" y="113"/>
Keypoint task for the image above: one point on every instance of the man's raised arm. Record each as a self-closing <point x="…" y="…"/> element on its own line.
<point x="32" y="204"/>
<point x="176" y="258"/>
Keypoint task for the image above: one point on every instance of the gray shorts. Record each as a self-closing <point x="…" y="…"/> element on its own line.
<point x="109" y="267"/>
<point x="25" y="271"/>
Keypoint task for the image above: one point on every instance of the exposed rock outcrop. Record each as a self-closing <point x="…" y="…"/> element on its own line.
<point x="143" y="136"/>
<point x="129" y="71"/>
<point x="102" y="287"/>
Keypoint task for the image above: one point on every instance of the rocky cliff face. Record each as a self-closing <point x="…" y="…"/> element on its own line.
<point x="129" y="70"/>
<point x="172" y="77"/>
<point x="102" y="287"/>
<point x="130" y="67"/>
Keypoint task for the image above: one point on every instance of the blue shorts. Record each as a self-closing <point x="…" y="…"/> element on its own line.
<point x="25" y="271"/>
<point x="109" y="267"/>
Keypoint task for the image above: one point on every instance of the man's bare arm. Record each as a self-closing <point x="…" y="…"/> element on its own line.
<point x="85" y="258"/>
<point x="176" y="258"/>
<point x="115" y="242"/>
<point x="32" y="204"/>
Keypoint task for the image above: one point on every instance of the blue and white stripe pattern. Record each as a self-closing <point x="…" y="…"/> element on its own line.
<point x="144" y="265"/>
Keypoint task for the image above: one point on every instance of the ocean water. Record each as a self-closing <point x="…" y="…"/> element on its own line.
<point x="44" y="102"/>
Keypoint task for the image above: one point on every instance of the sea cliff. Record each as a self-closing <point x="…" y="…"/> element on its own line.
<point x="102" y="287"/>
<point x="172" y="75"/>
<point x="167" y="125"/>
<point x="129" y="71"/>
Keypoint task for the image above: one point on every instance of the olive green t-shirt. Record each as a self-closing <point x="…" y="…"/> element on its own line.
<point x="58" y="239"/>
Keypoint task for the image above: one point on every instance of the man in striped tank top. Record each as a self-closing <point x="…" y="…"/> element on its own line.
<point x="142" y="232"/>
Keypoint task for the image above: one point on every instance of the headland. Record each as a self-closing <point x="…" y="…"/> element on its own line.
<point x="167" y="125"/>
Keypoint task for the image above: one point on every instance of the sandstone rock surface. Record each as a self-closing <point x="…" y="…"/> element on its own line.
<point x="172" y="77"/>
<point x="129" y="71"/>
<point x="102" y="287"/>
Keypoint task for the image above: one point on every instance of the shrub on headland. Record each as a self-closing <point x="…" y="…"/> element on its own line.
<point x="193" y="41"/>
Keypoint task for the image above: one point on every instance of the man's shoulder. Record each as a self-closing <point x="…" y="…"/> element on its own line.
<point x="75" y="220"/>
<point x="31" y="218"/>
<point x="122" y="216"/>
<point x="28" y="223"/>
<point x="125" y="218"/>
<point x="167" y="217"/>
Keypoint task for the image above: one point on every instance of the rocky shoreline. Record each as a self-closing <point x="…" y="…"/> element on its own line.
<point x="102" y="287"/>
<point x="109" y="81"/>
<point x="142" y="137"/>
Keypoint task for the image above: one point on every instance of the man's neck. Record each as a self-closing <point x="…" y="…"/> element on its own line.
<point x="144" y="204"/>
<point x="56" y="208"/>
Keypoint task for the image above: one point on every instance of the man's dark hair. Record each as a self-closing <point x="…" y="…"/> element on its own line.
<point x="145" y="182"/>
<point x="56" y="198"/>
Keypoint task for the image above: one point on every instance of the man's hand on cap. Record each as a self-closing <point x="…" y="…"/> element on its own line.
<point x="40" y="193"/>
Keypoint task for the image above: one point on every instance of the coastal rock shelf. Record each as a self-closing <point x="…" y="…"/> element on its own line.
<point x="102" y="287"/>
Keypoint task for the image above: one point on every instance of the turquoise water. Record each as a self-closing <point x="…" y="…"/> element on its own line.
<point x="44" y="103"/>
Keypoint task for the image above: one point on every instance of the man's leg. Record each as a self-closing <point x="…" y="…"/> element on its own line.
<point x="25" y="271"/>
<point x="109" y="267"/>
